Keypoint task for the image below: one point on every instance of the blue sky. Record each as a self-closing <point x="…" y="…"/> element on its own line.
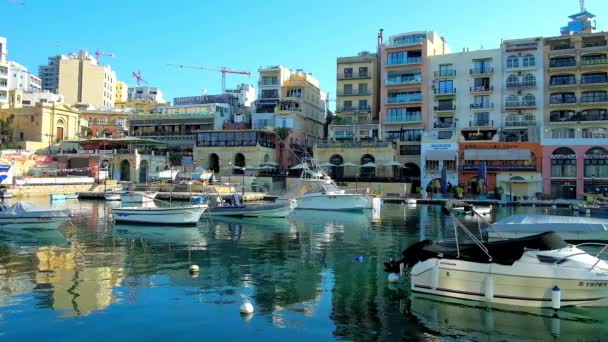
<point x="245" y="35"/>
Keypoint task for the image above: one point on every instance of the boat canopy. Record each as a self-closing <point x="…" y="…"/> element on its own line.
<point x="542" y="223"/>
<point x="26" y="209"/>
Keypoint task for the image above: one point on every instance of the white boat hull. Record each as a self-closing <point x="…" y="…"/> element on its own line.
<point x="47" y="223"/>
<point x="138" y="197"/>
<point x="112" y="196"/>
<point x="283" y="211"/>
<point x="522" y="284"/>
<point x="189" y="215"/>
<point x="342" y="202"/>
<point x="479" y="210"/>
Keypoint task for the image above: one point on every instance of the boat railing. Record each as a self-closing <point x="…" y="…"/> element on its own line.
<point x="604" y="247"/>
<point x="458" y="224"/>
<point x="491" y="225"/>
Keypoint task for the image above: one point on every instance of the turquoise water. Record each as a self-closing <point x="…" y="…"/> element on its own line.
<point x="100" y="282"/>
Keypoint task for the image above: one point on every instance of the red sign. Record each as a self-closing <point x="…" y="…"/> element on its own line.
<point x="43" y="159"/>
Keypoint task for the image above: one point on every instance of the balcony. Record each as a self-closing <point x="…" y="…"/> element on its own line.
<point x="521" y="85"/>
<point x="484" y="105"/>
<point x="481" y="89"/>
<point x="444" y="91"/>
<point x="565" y="102"/>
<point x="561" y="64"/>
<point x="563" y="84"/>
<point x="405" y="42"/>
<point x="357" y="144"/>
<point x="501" y="167"/>
<point x="353" y="76"/>
<point x="405" y="61"/>
<point x="599" y="45"/>
<point x="587" y="63"/>
<point x="481" y="123"/>
<point x="520" y="124"/>
<point x="268" y="84"/>
<point x="445" y="73"/>
<point x="444" y="125"/>
<point x="445" y="108"/>
<point x="404" y="100"/>
<point x="355" y="93"/>
<point x="599" y="81"/>
<point x="561" y="47"/>
<point x="403" y="80"/>
<point x="579" y="117"/>
<point x="482" y="71"/>
<point x="594" y="98"/>
<point x="354" y="110"/>
<point x="520" y="105"/>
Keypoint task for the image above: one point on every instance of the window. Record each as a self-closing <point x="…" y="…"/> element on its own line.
<point x="482" y="119"/>
<point x="528" y="60"/>
<point x="559" y="80"/>
<point x="594" y="114"/>
<point x="561" y="115"/>
<point x="270" y="80"/>
<point x="594" y="59"/>
<point x="563" y="163"/>
<point x="270" y="94"/>
<point x="101" y="121"/>
<point x="444" y="135"/>
<point x="594" y="96"/>
<point x="512" y="61"/>
<point x="348" y="89"/>
<point x="348" y="104"/>
<point x="363" y="89"/>
<point x="529" y="80"/>
<point x="594" y="133"/>
<point x="348" y="72"/>
<point x="512" y="81"/>
<point x="120" y="122"/>
<point x="529" y="100"/>
<point x="482" y="66"/>
<point x="481" y="84"/>
<point x="445" y="104"/>
<point x="405" y="135"/>
<point x="362" y="71"/>
<point x="562" y="133"/>
<point x="558" y="98"/>
<point x="297" y="92"/>
<point x="596" y="164"/>
<point x="432" y="165"/>
<point x="446" y="87"/>
<point x="481" y="101"/>
<point x="596" y="77"/>
<point x="409" y="150"/>
<point x="363" y="105"/>
<point x="402" y="114"/>
<point x="394" y="58"/>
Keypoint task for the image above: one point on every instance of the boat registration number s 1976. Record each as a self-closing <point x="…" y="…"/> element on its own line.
<point x="592" y="284"/>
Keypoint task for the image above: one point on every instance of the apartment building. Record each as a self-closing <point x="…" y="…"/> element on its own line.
<point x="145" y="93"/>
<point x="404" y="79"/>
<point x="21" y="79"/>
<point x="3" y="72"/>
<point x="575" y="137"/>
<point x="80" y="80"/>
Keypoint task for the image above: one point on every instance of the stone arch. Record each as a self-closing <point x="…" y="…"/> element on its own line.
<point x="214" y="163"/>
<point x="239" y="160"/>
<point x="367" y="172"/>
<point x="143" y="171"/>
<point x="337" y="171"/>
<point x="59" y="130"/>
<point x="125" y="170"/>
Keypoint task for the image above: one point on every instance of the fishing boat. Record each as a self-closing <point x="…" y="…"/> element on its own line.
<point x="138" y="197"/>
<point x="570" y="228"/>
<point x="236" y="209"/>
<point x="592" y="209"/>
<point x="539" y="270"/>
<point x="319" y="192"/>
<point x="179" y="215"/>
<point x="481" y="210"/>
<point x="24" y="215"/>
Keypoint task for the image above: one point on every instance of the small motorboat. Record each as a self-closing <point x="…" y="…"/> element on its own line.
<point x="24" y="215"/>
<point x="179" y="215"/>
<point x="6" y="195"/>
<point x="57" y="197"/>
<point x="71" y="196"/>
<point x="112" y="195"/>
<point x="592" y="209"/>
<point x="236" y="209"/>
<point x="539" y="270"/>
<point x="463" y="210"/>
<point x="138" y="197"/>
<point x="570" y="228"/>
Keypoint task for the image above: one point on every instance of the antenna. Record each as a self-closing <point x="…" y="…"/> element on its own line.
<point x="582" y="3"/>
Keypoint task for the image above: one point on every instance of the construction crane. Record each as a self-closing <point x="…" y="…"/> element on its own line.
<point x="98" y="55"/>
<point x="137" y="76"/>
<point x="223" y="70"/>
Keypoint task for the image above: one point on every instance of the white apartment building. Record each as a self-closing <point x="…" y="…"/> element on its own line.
<point x="3" y="72"/>
<point x="21" y="79"/>
<point x="245" y="93"/>
<point x="147" y="94"/>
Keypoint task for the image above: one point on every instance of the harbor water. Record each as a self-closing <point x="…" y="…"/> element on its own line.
<point x="312" y="276"/>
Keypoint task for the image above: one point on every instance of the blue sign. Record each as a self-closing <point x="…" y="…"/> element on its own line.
<point x="501" y="167"/>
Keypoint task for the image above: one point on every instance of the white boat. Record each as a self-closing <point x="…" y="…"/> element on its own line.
<point x="24" y="215"/>
<point x="411" y="201"/>
<point x="71" y="196"/>
<point x="112" y="195"/>
<point x="138" y="197"/>
<point x="539" y="271"/>
<point x="570" y="228"/>
<point x="6" y="194"/>
<point x="320" y="193"/>
<point x="481" y="210"/>
<point x="57" y="197"/>
<point x="182" y="215"/>
<point x="279" y="209"/>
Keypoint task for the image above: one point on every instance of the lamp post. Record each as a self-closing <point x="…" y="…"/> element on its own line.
<point x="243" y="183"/>
<point x="230" y="171"/>
<point x="356" y="182"/>
<point x="511" y="187"/>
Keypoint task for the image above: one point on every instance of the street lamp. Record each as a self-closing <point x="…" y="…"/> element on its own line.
<point x="511" y="187"/>
<point x="230" y="172"/>
<point x="356" y="181"/>
<point x="243" y="183"/>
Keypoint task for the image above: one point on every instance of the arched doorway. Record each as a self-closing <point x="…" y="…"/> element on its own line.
<point x="239" y="160"/>
<point x="563" y="165"/>
<point x="143" y="171"/>
<point x="368" y="172"/>
<point x="337" y="171"/>
<point x="411" y="173"/>
<point x="105" y="169"/>
<point x="59" y="130"/>
<point x="596" y="170"/>
<point x="214" y="163"/>
<point x="125" y="171"/>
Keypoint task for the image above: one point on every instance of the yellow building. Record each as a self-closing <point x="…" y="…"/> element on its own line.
<point x="138" y="106"/>
<point x="81" y="80"/>
<point x="40" y="126"/>
<point x="121" y="91"/>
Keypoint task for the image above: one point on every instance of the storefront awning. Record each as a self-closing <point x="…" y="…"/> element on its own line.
<point x="441" y="155"/>
<point x="494" y="154"/>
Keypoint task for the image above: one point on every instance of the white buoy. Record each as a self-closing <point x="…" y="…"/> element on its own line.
<point x="554" y="207"/>
<point x="194" y="269"/>
<point x="393" y="278"/>
<point x="556" y="298"/>
<point x="246" y="308"/>
<point x="588" y="212"/>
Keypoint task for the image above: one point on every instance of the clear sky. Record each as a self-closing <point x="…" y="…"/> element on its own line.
<point x="244" y="35"/>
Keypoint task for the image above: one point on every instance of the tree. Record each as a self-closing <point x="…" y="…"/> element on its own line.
<point x="6" y="130"/>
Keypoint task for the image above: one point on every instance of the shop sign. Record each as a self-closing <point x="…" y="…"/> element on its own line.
<point x="563" y="156"/>
<point x="445" y="146"/>
<point x="596" y="156"/>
